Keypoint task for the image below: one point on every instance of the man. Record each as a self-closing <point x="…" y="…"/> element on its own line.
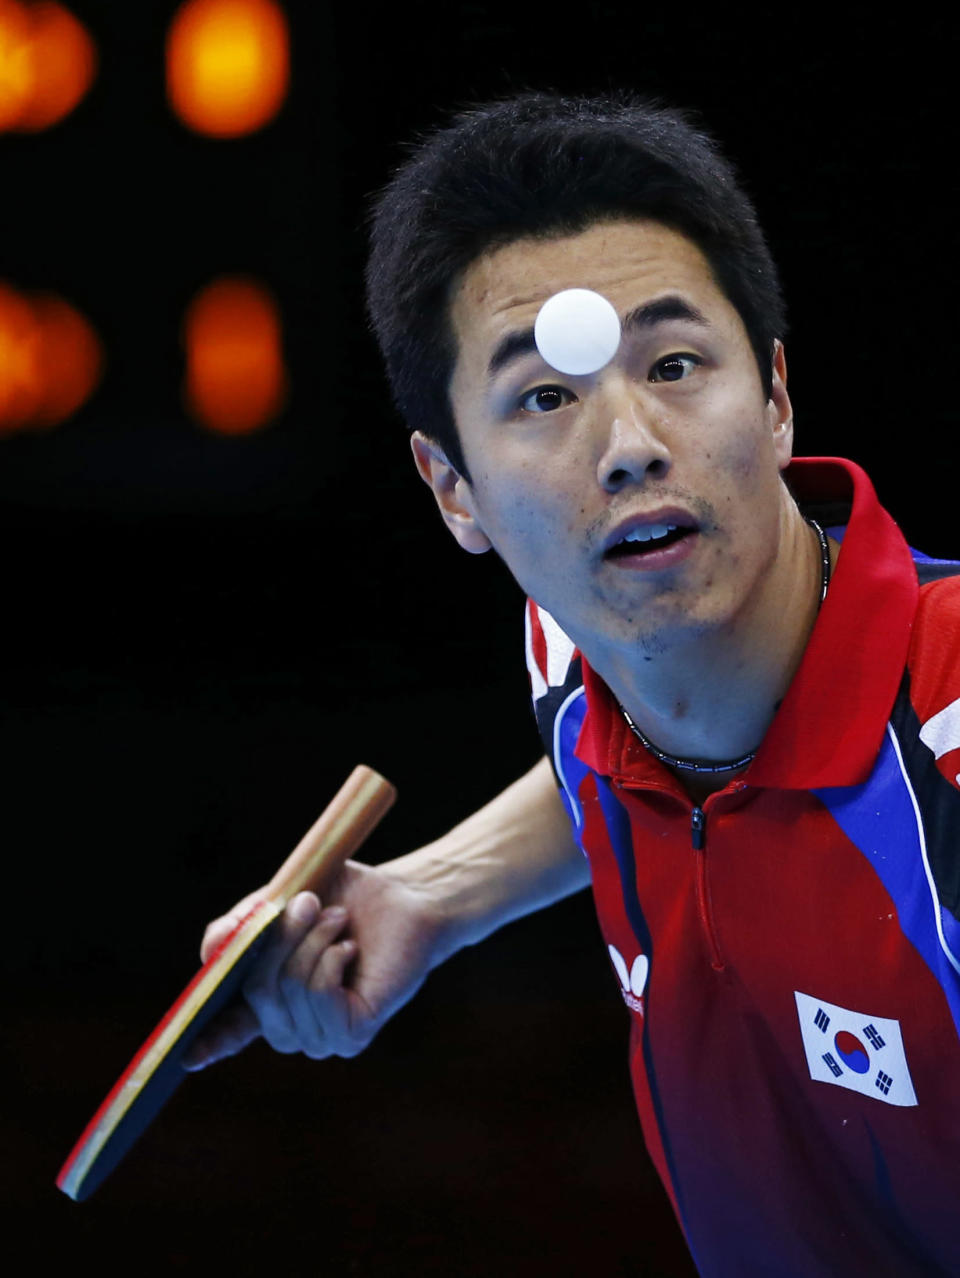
<point x="748" y="688"/>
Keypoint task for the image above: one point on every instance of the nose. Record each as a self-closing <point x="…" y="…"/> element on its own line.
<point x="634" y="449"/>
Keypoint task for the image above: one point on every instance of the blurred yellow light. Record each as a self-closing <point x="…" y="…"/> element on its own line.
<point x="47" y="63"/>
<point x="51" y="360"/>
<point x="236" y="380"/>
<point x="228" y="65"/>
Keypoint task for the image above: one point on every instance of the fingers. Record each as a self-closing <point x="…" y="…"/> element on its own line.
<point x="293" y="991"/>
<point x="312" y="985"/>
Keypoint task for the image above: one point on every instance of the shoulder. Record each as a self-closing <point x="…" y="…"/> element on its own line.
<point x="934" y="655"/>
<point x="556" y="682"/>
<point x="551" y="654"/>
<point x="930" y="698"/>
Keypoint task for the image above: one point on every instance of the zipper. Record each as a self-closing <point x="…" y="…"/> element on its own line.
<point x="698" y="841"/>
<point x="698" y="829"/>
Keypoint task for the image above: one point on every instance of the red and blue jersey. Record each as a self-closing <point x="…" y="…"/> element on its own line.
<point x="790" y="952"/>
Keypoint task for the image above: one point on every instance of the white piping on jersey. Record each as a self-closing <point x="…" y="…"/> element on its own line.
<point x="557" y="757"/>
<point x="954" y="962"/>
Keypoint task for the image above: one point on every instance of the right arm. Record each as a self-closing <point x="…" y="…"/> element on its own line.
<point x="328" y="981"/>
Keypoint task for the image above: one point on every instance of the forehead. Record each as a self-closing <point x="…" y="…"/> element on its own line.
<point x="629" y="262"/>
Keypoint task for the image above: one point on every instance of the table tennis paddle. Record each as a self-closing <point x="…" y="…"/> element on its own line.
<point x="152" y="1076"/>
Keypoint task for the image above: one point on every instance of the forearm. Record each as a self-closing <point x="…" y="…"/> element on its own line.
<point x="515" y="855"/>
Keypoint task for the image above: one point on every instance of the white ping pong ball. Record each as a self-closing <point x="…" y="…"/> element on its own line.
<point x="577" y="331"/>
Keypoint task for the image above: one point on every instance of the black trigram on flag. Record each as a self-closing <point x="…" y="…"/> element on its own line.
<point x="832" y="1065"/>
<point x="884" y="1082"/>
<point x="870" y="1033"/>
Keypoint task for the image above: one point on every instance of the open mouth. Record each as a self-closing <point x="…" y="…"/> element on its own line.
<point x="643" y="541"/>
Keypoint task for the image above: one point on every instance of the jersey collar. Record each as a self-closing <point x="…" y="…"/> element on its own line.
<point x="831" y="722"/>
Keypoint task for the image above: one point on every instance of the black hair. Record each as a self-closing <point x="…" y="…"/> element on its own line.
<point x="541" y="165"/>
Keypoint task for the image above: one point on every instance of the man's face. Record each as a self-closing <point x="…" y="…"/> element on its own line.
<point x="675" y="431"/>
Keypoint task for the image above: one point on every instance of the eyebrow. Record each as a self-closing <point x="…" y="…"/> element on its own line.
<point x="522" y="342"/>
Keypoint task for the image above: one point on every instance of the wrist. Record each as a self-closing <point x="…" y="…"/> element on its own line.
<point x="449" y="900"/>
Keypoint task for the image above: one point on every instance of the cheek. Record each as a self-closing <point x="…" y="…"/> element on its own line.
<point x="528" y="498"/>
<point x="742" y="482"/>
<point x="743" y="450"/>
<point x="531" y="526"/>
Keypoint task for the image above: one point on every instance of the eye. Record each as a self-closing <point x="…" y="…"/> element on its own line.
<point x="672" y="368"/>
<point x="546" y="399"/>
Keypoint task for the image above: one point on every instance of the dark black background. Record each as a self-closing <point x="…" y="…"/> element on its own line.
<point x="201" y="636"/>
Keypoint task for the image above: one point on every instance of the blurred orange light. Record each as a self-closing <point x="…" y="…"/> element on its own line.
<point x="47" y="63"/>
<point x="228" y="65"/>
<point x="51" y="360"/>
<point x="19" y="361"/>
<point x="70" y="361"/>
<point x="236" y="380"/>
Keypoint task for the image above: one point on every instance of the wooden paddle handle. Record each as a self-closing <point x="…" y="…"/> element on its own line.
<point x="349" y="818"/>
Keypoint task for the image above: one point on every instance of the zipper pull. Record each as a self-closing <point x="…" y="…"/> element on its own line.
<point x="698" y="829"/>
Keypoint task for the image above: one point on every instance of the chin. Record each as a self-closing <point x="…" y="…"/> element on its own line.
<point x="657" y="636"/>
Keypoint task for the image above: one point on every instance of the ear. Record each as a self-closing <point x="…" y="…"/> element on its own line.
<point x="779" y="408"/>
<point x="452" y="493"/>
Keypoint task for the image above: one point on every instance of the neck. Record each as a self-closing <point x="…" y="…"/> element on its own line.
<point x="711" y="695"/>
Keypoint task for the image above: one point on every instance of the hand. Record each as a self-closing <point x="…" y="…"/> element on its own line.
<point x="331" y="975"/>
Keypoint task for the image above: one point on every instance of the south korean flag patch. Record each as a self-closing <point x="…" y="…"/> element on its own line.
<point x="853" y="1050"/>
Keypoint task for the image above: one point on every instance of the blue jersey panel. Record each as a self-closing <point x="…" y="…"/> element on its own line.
<point x="881" y="819"/>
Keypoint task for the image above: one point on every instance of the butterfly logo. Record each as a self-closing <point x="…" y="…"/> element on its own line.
<point x="633" y="980"/>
